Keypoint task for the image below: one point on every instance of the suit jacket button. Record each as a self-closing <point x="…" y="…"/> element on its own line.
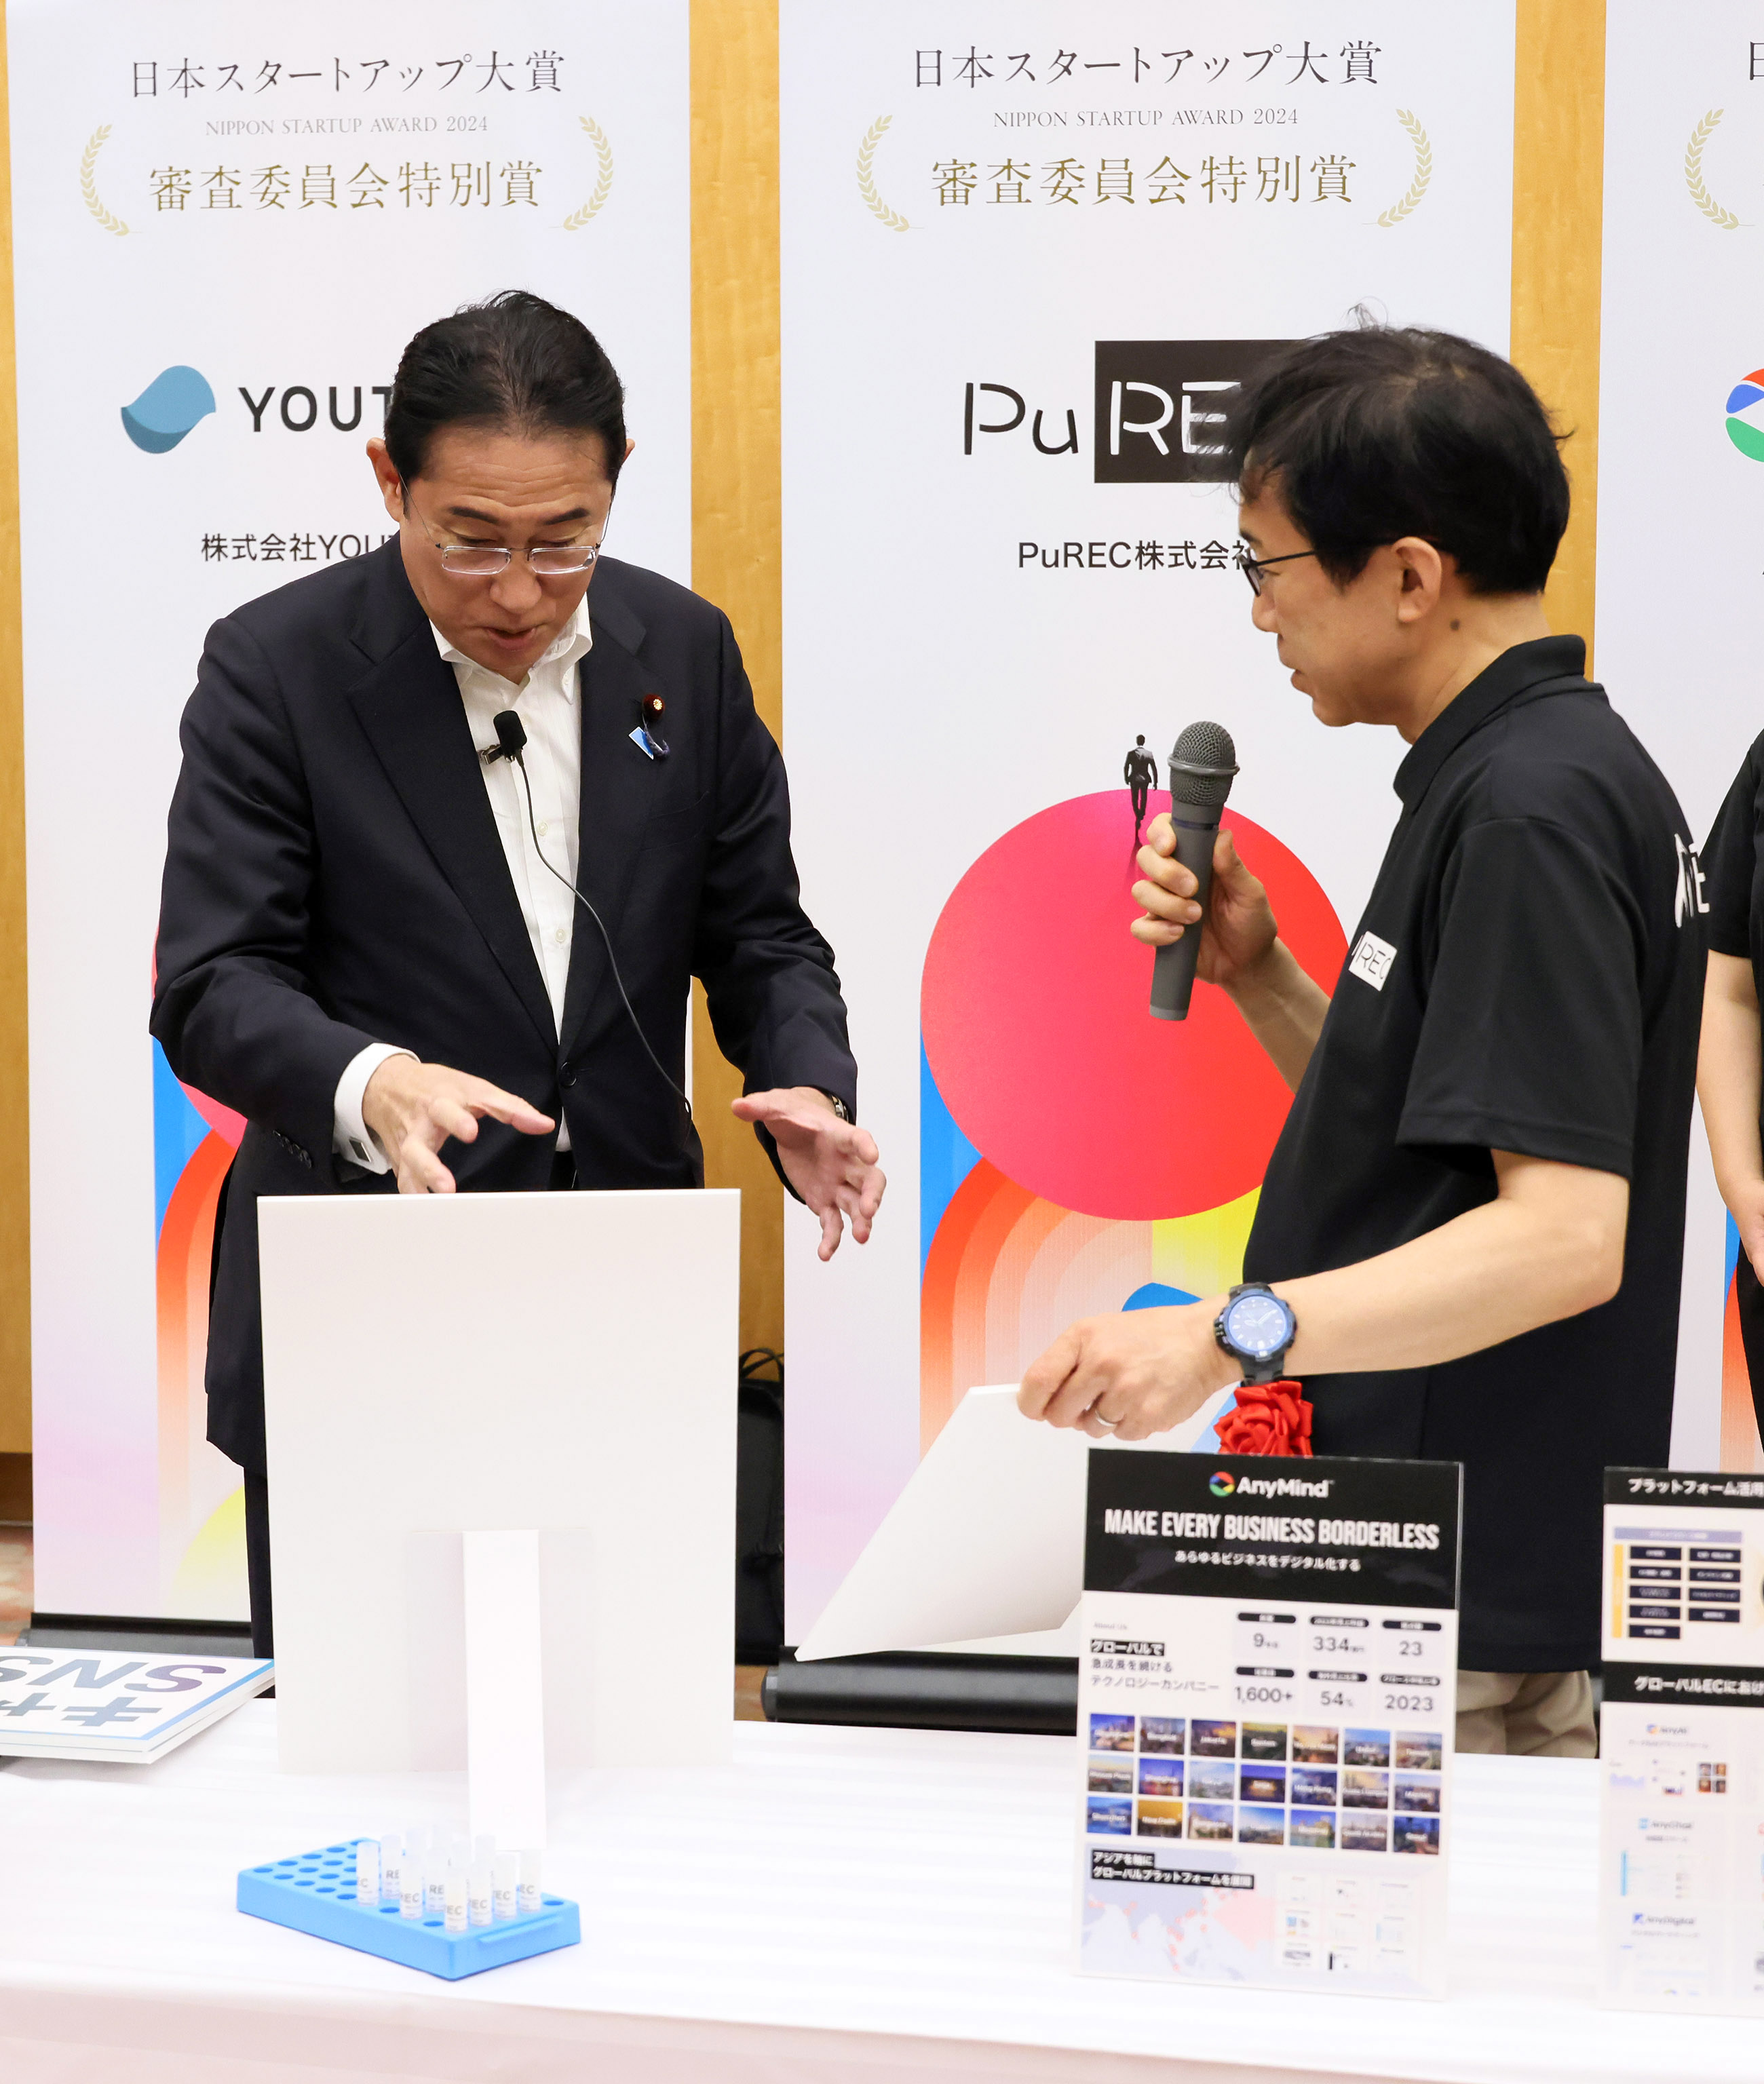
<point x="566" y="1078"/>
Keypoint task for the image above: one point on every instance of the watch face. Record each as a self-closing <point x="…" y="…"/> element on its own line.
<point x="1258" y="1325"/>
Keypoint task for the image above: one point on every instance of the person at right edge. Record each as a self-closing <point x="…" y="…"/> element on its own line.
<point x="1473" y="1219"/>
<point x="1730" y="1070"/>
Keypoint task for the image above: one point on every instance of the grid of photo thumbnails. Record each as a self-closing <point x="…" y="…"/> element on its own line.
<point x="1311" y="1786"/>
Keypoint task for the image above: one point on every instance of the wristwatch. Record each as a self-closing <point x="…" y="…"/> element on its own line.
<point x="1256" y="1328"/>
<point x="835" y="1103"/>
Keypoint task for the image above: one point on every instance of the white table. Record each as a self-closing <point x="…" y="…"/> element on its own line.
<point x="871" y="1904"/>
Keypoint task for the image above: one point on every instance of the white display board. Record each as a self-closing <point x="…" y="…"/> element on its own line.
<point x="227" y="221"/>
<point x="1681" y="1743"/>
<point x="1267" y="1695"/>
<point x="1680" y="543"/>
<point x="436" y="1366"/>
<point x="1023" y="248"/>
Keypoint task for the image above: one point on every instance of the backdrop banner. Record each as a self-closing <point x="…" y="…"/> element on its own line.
<point x="227" y="221"/>
<point x="1684" y="160"/>
<point x="1028" y="253"/>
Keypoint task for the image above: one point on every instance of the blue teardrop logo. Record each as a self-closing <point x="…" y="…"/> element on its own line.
<point x="168" y="409"/>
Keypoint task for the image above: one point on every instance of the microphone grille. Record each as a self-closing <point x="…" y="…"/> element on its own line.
<point x="1201" y="766"/>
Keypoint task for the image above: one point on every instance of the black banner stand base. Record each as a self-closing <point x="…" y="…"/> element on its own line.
<point x="922" y="1690"/>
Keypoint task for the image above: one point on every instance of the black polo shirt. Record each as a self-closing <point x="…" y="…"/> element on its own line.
<point x="1733" y="866"/>
<point x="1526" y="976"/>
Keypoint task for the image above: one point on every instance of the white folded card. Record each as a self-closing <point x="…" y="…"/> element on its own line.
<point x="987" y="1539"/>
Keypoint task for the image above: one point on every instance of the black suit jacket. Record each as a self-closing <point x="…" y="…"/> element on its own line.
<point x="333" y="878"/>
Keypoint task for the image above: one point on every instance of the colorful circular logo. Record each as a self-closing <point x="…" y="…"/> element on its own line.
<point x="1223" y="1484"/>
<point x="1745" y="421"/>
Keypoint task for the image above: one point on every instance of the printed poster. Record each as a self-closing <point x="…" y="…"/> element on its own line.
<point x="1029" y="252"/>
<point x="227" y="221"/>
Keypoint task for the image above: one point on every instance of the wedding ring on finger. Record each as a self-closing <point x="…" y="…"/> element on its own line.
<point x="1110" y="1423"/>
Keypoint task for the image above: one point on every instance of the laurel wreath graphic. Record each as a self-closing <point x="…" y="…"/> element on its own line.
<point x="867" y="187"/>
<point x="602" y="187"/>
<point x="88" y="185"/>
<point x="1417" y="188"/>
<point x="1723" y="218"/>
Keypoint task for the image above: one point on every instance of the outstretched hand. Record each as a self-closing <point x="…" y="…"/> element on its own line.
<point x="831" y="1163"/>
<point x="1128" y="1375"/>
<point x="412" y="1109"/>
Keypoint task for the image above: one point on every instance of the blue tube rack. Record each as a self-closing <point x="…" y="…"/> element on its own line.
<point x="314" y="1892"/>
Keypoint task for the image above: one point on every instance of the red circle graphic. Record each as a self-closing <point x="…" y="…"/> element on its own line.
<point x="1035" y="1020"/>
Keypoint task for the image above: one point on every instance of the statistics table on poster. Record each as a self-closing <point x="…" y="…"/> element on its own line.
<point x="1269" y="1677"/>
<point x="1681" y="1743"/>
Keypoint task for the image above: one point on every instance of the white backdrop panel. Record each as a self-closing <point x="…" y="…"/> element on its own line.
<point x="1681" y="559"/>
<point x="938" y="691"/>
<point x="275" y="202"/>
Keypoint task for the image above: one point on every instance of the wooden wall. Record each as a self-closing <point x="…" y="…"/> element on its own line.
<point x="15" y="1051"/>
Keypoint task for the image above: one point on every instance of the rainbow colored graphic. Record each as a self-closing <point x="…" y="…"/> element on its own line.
<point x="1741" y="1447"/>
<point x="201" y="1512"/>
<point x="1076" y="1156"/>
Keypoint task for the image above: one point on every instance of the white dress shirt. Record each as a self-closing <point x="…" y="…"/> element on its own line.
<point x="548" y="703"/>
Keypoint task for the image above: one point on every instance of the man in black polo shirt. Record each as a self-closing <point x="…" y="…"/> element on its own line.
<point x="1473" y="1219"/>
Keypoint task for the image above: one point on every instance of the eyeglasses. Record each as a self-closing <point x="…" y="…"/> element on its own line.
<point x="483" y="560"/>
<point x="1254" y="567"/>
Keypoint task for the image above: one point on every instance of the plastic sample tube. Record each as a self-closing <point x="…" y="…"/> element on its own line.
<point x="454" y="1902"/>
<point x="504" y="1885"/>
<point x="434" y="1886"/>
<point x="410" y="1886"/>
<point x="530" y="1897"/>
<point x="479" y="1895"/>
<point x="391" y="1854"/>
<point x="368" y="1871"/>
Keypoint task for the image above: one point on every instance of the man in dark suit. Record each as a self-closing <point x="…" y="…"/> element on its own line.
<point x="368" y="943"/>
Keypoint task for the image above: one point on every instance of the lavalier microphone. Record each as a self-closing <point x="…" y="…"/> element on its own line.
<point x="511" y="744"/>
<point x="511" y="738"/>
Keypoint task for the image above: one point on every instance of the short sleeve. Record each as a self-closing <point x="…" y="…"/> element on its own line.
<point x="1729" y="859"/>
<point x="1532" y="1037"/>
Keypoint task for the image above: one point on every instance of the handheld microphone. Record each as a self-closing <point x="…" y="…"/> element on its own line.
<point x="1201" y="769"/>
<point x="511" y="744"/>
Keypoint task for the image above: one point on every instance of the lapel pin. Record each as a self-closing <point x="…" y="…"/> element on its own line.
<point x="647" y="737"/>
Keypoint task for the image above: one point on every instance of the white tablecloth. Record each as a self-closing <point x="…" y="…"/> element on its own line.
<point x="871" y="1904"/>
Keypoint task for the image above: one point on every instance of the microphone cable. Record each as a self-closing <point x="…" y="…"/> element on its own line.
<point x="511" y="744"/>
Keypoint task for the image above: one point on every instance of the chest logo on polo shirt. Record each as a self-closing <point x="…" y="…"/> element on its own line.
<point x="1687" y="897"/>
<point x="1371" y="961"/>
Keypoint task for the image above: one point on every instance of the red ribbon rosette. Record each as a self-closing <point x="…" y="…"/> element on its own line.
<point x="1268" y="1418"/>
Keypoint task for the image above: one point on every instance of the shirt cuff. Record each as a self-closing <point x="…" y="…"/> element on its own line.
<point x="350" y="1135"/>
